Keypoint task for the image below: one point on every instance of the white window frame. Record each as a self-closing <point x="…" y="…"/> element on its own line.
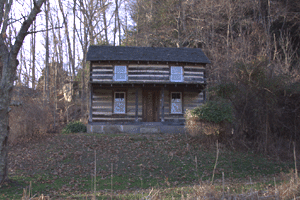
<point x="124" y="73"/>
<point x="116" y="103"/>
<point x="173" y="73"/>
<point x="172" y="103"/>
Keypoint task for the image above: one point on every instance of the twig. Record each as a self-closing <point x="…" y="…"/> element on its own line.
<point x="295" y="159"/>
<point x="223" y="181"/>
<point x="141" y="176"/>
<point x="275" y="188"/>
<point x="251" y="188"/>
<point x="196" y="162"/>
<point x="111" y="182"/>
<point x="212" y="179"/>
<point x="95" y="171"/>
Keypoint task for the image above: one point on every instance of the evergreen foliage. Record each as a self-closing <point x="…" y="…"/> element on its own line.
<point x="215" y="111"/>
<point x="74" y="127"/>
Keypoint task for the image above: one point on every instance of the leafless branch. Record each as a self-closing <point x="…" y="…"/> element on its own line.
<point x="49" y="29"/>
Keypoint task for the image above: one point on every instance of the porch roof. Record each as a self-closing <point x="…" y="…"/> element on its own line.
<point x="157" y="54"/>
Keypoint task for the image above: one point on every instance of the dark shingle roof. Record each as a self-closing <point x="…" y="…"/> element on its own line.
<point x="119" y="53"/>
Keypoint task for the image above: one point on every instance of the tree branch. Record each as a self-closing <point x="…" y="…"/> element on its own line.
<point x="2" y="2"/>
<point x="41" y="31"/>
<point x="25" y="26"/>
<point x="5" y="19"/>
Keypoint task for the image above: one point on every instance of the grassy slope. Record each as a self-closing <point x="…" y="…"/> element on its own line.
<point x="62" y="165"/>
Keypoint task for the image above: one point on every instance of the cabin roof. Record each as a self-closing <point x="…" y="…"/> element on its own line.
<point x="159" y="54"/>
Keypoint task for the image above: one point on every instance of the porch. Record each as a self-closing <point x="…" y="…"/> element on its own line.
<point x="141" y="108"/>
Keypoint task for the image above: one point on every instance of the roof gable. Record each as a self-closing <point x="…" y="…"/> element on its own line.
<point x="159" y="54"/>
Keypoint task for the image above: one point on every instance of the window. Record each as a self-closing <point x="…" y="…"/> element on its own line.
<point x="119" y="102"/>
<point x="176" y="74"/>
<point x="176" y="103"/>
<point x="120" y="73"/>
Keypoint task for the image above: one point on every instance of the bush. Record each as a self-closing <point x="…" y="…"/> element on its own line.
<point x="74" y="127"/>
<point x="31" y="119"/>
<point x="214" y="111"/>
<point x="212" y="119"/>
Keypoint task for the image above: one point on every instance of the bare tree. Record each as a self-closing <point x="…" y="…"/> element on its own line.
<point x="71" y="57"/>
<point x="8" y="54"/>
<point x="90" y="19"/>
<point x="104" y="6"/>
<point x="33" y="42"/>
<point x="46" y="77"/>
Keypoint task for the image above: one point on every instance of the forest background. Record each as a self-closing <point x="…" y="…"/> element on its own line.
<point x="253" y="47"/>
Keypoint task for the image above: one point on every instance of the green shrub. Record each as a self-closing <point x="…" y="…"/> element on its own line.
<point x="74" y="127"/>
<point x="211" y="121"/>
<point x="214" y="111"/>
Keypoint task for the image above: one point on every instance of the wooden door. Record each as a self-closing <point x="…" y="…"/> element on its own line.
<point x="150" y="106"/>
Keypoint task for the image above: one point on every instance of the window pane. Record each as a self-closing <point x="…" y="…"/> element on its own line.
<point x="119" y="107"/>
<point x="121" y="95"/>
<point x="176" y="77"/>
<point x="176" y="107"/>
<point x="121" y="76"/>
<point x="176" y="104"/>
<point x="176" y="96"/>
<point x="176" y="74"/>
<point x="119" y="102"/>
<point x="120" y="73"/>
<point x="176" y="70"/>
<point x="120" y="69"/>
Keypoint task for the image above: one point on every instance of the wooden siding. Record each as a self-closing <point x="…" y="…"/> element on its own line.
<point x="101" y="73"/>
<point x="192" y="100"/>
<point x="142" y="73"/>
<point x="194" y="74"/>
<point x="148" y="73"/>
<point x="102" y="104"/>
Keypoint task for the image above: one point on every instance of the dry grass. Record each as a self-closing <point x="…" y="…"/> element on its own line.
<point x="288" y="189"/>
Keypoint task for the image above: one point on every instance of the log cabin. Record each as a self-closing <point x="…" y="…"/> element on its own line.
<point x="144" y="89"/>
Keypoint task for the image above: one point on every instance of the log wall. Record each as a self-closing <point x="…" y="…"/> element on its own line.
<point x="102" y="105"/>
<point x="142" y="73"/>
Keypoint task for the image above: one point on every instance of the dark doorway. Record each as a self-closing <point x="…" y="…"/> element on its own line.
<point x="150" y="106"/>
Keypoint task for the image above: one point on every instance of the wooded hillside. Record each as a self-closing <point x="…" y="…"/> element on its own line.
<point x="253" y="47"/>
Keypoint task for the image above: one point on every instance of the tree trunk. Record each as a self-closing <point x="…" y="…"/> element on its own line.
<point x="33" y="55"/>
<point x="104" y="5"/>
<point x="71" y="65"/>
<point x="46" y="83"/>
<point x="10" y="63"/>
<point x="74" y="38"/>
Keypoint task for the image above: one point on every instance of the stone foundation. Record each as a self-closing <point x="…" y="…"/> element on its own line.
<point x="154" y="128"/>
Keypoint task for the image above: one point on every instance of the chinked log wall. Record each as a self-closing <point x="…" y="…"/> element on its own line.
<point x="102" y="105"/>
<point x="102" y="98"/>
<point x="147" y="73"/>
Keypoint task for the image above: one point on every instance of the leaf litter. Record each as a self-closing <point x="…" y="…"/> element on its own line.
<point x="136" y="160"/>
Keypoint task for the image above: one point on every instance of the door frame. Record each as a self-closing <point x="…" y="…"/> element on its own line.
<point x="155" y="104"/>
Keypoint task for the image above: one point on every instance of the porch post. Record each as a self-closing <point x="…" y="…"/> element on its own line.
<point x="162" y="104"/>
<point x="90" y="103"/>
<point x="137" y="105"/>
